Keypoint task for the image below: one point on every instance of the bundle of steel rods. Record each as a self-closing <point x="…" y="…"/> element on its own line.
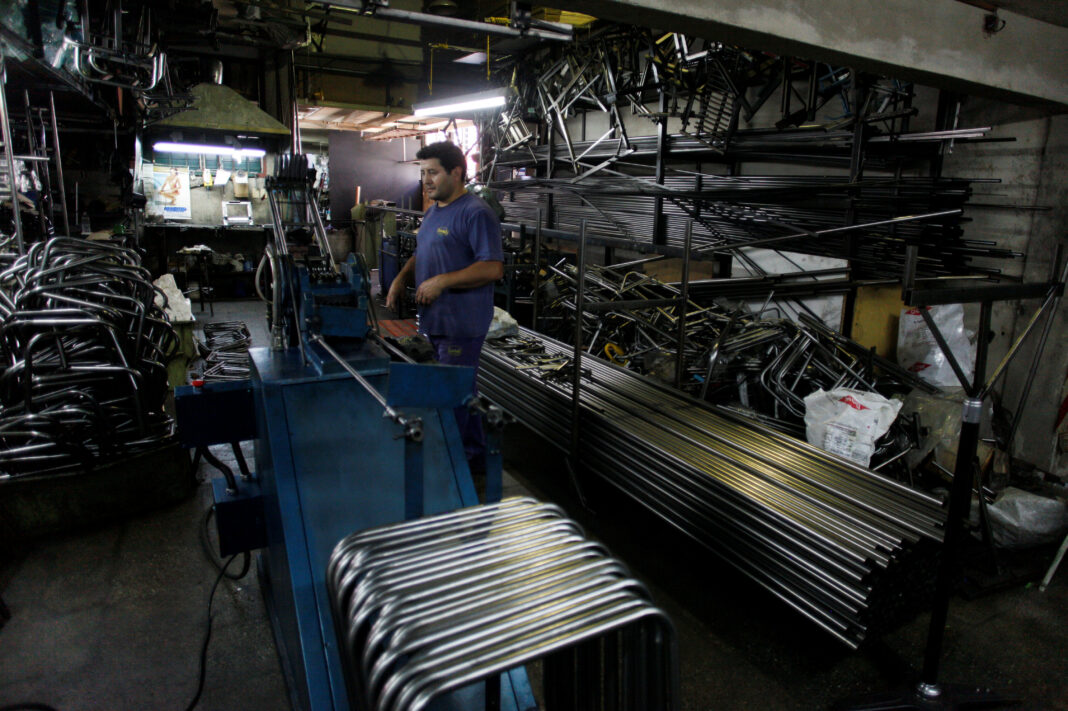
<point x="440" y="607"/>
<point x="849" y="549"/>
<point x="85" y="351"/>
<point x="227" y="344"/>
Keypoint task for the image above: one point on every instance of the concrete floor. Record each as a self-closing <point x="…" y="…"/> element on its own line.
<point x="114" y="617"/>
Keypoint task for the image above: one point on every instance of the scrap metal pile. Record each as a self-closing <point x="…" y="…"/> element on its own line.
<point x="84" y="346"/>
<point x="730" y="354"/>
<point x="226" y="344"/>
<point x="851" y="550"/>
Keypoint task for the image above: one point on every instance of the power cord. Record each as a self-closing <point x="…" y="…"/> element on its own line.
<point x="207" y="637"/>
<point x="27" y="707"/>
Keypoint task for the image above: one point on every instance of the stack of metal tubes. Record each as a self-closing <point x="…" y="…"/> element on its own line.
<point x="84" y="378"/>
<point x="851" y="550"/>
<point x="435" y="610"/>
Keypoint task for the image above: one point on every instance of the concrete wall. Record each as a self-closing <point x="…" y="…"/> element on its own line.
<point x="384" y="170"/>
<point x="936" y="42"/>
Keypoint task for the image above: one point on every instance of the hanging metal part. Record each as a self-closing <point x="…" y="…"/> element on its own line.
<point x="9" y="159"/>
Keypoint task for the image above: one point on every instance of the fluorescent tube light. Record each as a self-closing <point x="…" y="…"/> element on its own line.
<point x="462" y="104"/>
<point x="168" y="147"/>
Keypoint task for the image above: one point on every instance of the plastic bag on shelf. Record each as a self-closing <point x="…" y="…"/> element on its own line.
<point x="848" y="422"/>
<point x="1020" y="519"/>
<point x="918" y="351"/>
<point x="502" y="325"/>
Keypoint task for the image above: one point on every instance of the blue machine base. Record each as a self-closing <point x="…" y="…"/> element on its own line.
<point x="330" y="464"/>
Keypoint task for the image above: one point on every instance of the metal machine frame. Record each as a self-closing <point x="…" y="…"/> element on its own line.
<point x="345" y="440"/>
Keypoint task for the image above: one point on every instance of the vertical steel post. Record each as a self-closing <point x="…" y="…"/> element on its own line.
<point x="959" y="504"/>
<point x="576" y="359"/>
<point x="981" y="351"/>
<point x="59" y="164"/>
<point x="813" y="85"/>
<point x="856" y="172"/>
<point x="659" y="228"/>
<point x="684" y="302"/>
<point x="537" y="271"/>
<point x="413" y="478"/>
<point x="5" y="133"/>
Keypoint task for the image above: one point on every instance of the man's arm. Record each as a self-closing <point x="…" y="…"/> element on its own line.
<point x="472" y="276"/>
<point x="396" y="288"/>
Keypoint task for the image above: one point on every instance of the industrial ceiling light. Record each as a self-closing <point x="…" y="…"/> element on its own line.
<point x="208" y="150"/>
<point x="466" y="103"/>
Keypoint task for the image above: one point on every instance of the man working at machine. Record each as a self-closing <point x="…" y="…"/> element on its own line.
<point x="457" y="258"/>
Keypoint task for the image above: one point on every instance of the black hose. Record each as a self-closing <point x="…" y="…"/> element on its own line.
<point x="207" y="638"/>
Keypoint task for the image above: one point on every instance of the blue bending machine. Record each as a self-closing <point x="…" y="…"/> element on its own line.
<point x="345" y="438"/>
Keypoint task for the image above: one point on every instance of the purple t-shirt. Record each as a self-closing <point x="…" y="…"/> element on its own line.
<point x="451" y="238"/>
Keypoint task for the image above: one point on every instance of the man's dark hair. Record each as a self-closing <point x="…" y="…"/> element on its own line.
<point x="448" y="154"/>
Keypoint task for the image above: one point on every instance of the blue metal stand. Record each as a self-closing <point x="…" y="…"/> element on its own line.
<point x="330" y="464"/>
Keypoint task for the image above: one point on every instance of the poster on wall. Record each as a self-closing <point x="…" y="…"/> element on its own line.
<point x="172" y="192"/>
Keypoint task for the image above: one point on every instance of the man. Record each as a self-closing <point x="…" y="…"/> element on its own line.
<point x="457" y="258"/>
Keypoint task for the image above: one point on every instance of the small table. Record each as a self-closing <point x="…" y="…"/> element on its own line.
<point x="203" y="255"/>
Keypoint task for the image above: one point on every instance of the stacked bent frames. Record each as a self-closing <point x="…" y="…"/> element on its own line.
<point x="425" y="608"/>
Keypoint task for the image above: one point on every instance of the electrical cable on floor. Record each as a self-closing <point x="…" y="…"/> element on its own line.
<point x="27" y="707"/>
<point x="207" y="637"/>
<point x="209" y="551"/>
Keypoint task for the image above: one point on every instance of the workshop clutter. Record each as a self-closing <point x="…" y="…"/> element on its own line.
<point x="225" y="351"/>
<point x="764" y="365"/>
<point x="449" y="603"/>
<point x="919" y="352"/>
<point x="85" y="350"/>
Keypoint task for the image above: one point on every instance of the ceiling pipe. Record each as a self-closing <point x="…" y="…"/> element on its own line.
<point x="372" y="8"/>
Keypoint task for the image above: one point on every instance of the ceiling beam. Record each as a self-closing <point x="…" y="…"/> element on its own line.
<point x="939" y="43"/>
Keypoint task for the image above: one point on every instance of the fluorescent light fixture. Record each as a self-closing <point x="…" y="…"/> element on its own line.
<point x="473" y="58"/>
<point x="444" y="108"/>
<point x="168" y="147"/>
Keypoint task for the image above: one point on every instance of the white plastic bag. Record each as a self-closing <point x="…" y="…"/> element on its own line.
<point x="502" y="325"/>
<point x="1020" y="519"/>
<point x="918" y="351"/>
<point x="848" y="422"/>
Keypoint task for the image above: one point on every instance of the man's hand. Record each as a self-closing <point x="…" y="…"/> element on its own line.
<point x="400" y="282"/>
<point x="429" y="290"/>
<point x="395" y="294"/>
